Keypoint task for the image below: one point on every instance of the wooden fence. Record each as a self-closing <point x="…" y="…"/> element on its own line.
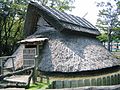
<point x="3" y="60"/>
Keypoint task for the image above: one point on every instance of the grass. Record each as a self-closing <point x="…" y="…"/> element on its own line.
<point x="116" y="51"/>
<point x="118" y="57"/>
<point x="38" y="86"/>
<point x="116" y="54"/>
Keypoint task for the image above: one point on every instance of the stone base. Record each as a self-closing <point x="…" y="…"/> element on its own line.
<point x="102" y="80"/>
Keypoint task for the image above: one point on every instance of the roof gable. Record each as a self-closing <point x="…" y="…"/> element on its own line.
<point x="63" y="21"/>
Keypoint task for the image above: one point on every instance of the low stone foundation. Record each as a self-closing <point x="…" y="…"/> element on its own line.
<point x="113" y="87"/>
<point x="102" y="80"/>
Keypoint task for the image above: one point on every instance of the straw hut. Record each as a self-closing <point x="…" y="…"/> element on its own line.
<point x="72" y="44"/>
<point x="66" y="44"/>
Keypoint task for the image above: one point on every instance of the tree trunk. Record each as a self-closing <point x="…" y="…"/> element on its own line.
<point x="109" y="39"/>
<point x="0" y="44"/>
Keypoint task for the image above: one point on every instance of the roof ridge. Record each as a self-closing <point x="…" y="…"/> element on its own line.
<point x="63" y="17"/>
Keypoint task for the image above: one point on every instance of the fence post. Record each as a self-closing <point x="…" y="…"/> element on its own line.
<point x="1" y="72"/>
<point x="35" y="70"/>
<point x="13" y="64"/>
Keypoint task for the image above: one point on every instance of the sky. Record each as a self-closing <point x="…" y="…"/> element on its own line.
<point x="86" y="8"/>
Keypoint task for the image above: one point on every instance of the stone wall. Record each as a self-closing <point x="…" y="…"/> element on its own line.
<point x="105" y="80"/>
<point x="113" y="87"/>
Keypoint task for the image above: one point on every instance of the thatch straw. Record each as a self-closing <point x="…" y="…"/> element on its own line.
<point x="73" y="53"/>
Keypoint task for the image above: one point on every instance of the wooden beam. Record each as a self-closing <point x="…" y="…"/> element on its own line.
<point x="6" y="57"/>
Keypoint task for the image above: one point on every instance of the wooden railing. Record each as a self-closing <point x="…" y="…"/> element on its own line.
<point x="3" y="60"/>
<point x="4" y="83"/>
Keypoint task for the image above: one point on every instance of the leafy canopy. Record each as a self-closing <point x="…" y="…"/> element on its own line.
<point x="109" y="21"/>
<point x="12" y="16"/>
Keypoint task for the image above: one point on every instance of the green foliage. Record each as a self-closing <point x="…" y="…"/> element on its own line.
<point x="38" y="86"/>
<point x="11" y="26"/>
<point x="116" y="34"/>
<point x="103" y="37"/>
<point x="61" y="5"/>
<point x="108" y="16"/>
<point x="108" y="21"/>
<point x="12" y="16"/>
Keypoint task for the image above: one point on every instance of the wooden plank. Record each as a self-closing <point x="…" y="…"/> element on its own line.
<point x="99" y="81"/>
<point x="74" y="83"/>
<point x="118" y="78"/>
<point x="58" y="84"/>
<point x="66" y="84"/>
<point x="4" y="57"/>
<point x="18" y="78"/>
<point x="108" y="80"/>
<point x="112" y="80"/>
<point x="80" y="83"/>
<point x="104" y="81"/>
<point x="87" y="82"/>
<point x="94" y="82"/>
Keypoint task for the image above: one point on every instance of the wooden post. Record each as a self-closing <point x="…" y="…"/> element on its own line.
<point x="1" y="64"/>
<point x="13" y="64"/>
<point x="41" y="79"/>
<point x="35" y="74"/>
<point x="35" y="70"/>
<point x="47" y="79"/>
<point x="34" y="78"/>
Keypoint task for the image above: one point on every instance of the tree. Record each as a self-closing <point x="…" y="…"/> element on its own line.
<point x="108" y="18"/>
<point x="11" y="26"/>
<point x="12" y="16"/>
<point x="61" y="5"/>
<point x="103" y="38"/>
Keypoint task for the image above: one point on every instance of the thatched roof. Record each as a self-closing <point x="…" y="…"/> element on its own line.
<point x="66" y="51"/>
<point x="59" y="20"/>
<point x="73" y="53"/>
